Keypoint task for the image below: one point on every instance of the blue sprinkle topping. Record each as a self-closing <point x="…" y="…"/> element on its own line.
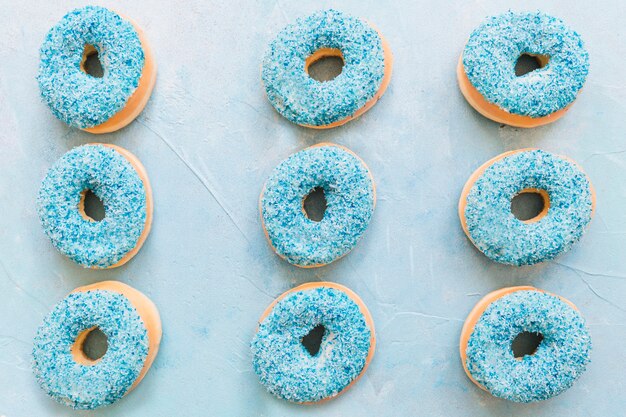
<point x="305" y="101"/>
<point x="492" y="51"/>
<point x="501" y="236"/>
<point x="75" y="97"/>
<point x="82" y="386"/>
<point x="113" y="179"/>
<point x="559" y="360"/>
<point x="349" y="192"/>
<point x="284" y="365"/>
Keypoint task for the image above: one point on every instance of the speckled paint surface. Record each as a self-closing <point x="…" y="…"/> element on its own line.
<point x="557" y="363"/>
<point x="209" y="139"/>
<point x="286" y="367"/>
<point x="89" y="387"/>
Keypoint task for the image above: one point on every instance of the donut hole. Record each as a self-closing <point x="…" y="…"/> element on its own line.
<point x="90" y="346"/>
<point x="90" y="63"/>
<point x="314" y="204"/>
<point x="530" y="205"/>
<point x="526" y="343"/>
<point x="527" y="63"/>
<point x="91" y="207"/>
<point x="324" y="64"/>
<point x="313" y="340"/>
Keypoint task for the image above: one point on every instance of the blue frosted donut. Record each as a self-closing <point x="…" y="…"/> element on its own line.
<point x="350" y="199"/>
<point x="485" y="206"/>
<point x="67" y="374"/>
<point x="305" y="101"/>
<point x="119" y="180"/>
<point x="75" y="97"/>
<point x="558" y="361"/>
<point x="492" y="51"/>
<point x="287" y="368"/>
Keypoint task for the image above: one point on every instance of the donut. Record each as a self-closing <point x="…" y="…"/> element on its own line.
<point x="494" y="323"/>
<point x="117" y="178"/>
<point x="287" y="368"/>
<point x="485" y="206"/>
<point x="133" y="328"/>
<point x="364" y="78"/>
<point x="486" y="69"/>
<point x="350" y="200"/>
<point x="96" y="105"/>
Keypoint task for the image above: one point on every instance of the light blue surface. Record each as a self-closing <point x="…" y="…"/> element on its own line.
<point x="209" y="138"/>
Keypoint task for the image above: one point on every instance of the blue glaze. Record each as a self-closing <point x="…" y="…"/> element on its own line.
<point x="112" y="178"/>
<point x="82" y="386"/>
<point x="559" y="360"/>
<point x="284" y="365"/>
<point x="75" y="97"/>
<point x="505" y="239"/>
<point x="349" y="192"/>
<point x="492" y="51"/>
<point x="305" y="101"/>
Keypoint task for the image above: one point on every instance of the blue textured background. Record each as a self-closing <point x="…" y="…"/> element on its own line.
<point x="209" y="138"/>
